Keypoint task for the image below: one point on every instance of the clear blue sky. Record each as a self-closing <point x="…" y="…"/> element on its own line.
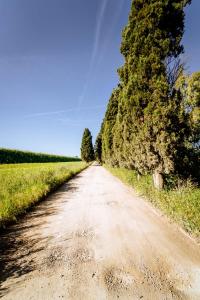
<point x="58" y="62"/>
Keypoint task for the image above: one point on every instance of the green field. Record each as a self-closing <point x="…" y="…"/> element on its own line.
<point x="22" y="185"/>
<point x="182" y="204"/>
<point x="11" y="156"/>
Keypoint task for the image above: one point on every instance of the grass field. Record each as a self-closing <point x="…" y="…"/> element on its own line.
<point x="22" y="185"/>
<point x="12" y="156"/>
<point x="182" y="204"/>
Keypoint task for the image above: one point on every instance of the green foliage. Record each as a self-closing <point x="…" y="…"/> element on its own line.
<point x="22" y="185"/>
<point x="153" y="125"/>
<point x="8" y="156"/>
<point x="193" y="101"/>
<point x="146" y="123"/>
<point x="87" y="150"/>
<point x="188" y="164"/>
<point x="107" y="128"/>
<point x="180" y="203"/>
<point x="98" y="148"/>
<point x="189" y="86"/>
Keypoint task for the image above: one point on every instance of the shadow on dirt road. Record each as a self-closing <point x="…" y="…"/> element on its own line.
<point x="17" y="251"/>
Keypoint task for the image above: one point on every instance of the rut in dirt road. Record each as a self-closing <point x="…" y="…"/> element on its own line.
<point x="95" y="239"/>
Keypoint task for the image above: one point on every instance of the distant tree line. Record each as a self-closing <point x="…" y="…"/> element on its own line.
<point x="8" y="156"/>
<point x="152" y="122"/>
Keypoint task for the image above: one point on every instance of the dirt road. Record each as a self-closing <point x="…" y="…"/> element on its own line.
<point x="95" y="239"/>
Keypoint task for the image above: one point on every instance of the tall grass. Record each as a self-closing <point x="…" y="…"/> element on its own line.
<point x="181" y="203"/>
<point x="25" y="184"/>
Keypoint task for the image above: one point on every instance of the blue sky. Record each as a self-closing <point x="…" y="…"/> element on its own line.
<point x="58" y="62"/>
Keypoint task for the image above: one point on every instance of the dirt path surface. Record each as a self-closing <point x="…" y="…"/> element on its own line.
<point x="95" y="239"/>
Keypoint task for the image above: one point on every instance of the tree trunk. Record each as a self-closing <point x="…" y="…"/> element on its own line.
<point x="158" y="180"/>
<point x="138" y="176"/>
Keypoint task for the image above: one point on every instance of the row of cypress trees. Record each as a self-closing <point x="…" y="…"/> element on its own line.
<point x="89" y="152"/>
<point x="150" y="124"/>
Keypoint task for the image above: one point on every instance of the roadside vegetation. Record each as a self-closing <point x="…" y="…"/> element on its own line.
<point x="9" y="156"/>
<point x="181" y="202"/>
<point x="87" y="149"/>
<point x="22" y="185"/>
<point x="152" y="121"/>
<point x="150" y="134"/>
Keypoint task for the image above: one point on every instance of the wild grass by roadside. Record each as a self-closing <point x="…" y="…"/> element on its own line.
<point x="22" y="185"/>
<point x="182" y="204"/>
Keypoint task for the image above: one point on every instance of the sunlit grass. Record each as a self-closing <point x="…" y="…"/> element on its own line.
<point x="22" y="185"/>
<point x="182" y="204"/>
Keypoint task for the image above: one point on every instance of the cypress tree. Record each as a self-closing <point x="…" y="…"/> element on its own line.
<point x="150" y="123"/>
<point x="98" y="148"/>
<point x="107" y="129"/>
<point x="87" y="150"/>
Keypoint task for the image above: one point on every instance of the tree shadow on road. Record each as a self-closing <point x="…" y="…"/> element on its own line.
<point x="21" y="241"/>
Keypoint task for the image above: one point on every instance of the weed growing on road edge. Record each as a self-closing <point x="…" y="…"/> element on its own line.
<point x="182" y="204"/>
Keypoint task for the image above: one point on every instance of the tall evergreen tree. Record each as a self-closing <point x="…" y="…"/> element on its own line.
<point x="107" y="129"/>
<point x="98" y="148"/>
<point x="150" y="123"/>
<point x="87" y="150"/>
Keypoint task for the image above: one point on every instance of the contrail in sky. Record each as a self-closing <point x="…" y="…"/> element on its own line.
<point x="98" y="31"/>
<point x="50" y="113"/>
<point x="111" y="28"/>
<point x="94" y="51"/>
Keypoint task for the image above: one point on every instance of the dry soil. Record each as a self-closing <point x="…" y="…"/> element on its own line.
<point x="95" y="239"/>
